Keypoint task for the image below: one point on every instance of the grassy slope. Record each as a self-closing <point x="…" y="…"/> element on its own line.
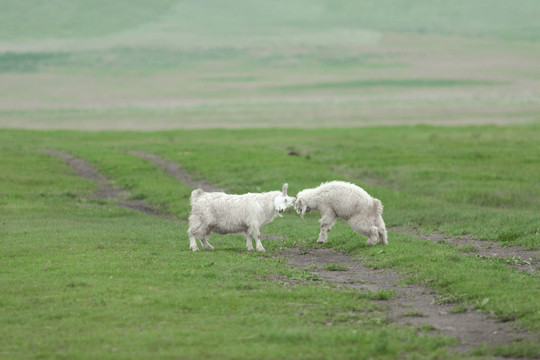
<point x="99" y="280"/>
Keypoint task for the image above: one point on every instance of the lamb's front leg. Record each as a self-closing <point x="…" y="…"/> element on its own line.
<point x="328" y="219"/>
<point x="249" y="243"/>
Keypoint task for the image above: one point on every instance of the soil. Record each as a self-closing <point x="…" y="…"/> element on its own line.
<point x="106" y="190"/>
<point x="413" y="304"/>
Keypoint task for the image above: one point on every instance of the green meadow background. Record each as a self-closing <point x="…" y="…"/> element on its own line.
<point x="431" y="106"/>
<point x="247" y="63"/>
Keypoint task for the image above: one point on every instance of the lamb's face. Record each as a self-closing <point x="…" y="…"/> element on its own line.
<point x="282" y="202"/>
<point x="301" y="206"/>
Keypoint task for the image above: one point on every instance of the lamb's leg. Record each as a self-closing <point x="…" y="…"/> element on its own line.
<point x="192" y="241"/>
<point x="327" y="220"/>
<point x="383" y="237"/>
<point x="256" y="234"/>
<point x="193" y="244"/>
<point x="364" y="228"/>
<point x="196" y="231"/>
<point x="205" y="243"/>
<point x="249" y="243"/>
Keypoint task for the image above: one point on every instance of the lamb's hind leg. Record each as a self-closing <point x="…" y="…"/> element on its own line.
<point x="327" y="220"/>
<point x="383" y="237"/>
<point x="205" y="243"/>
<point x="193" y="243"/>
<point x="197" y="231"/>
<point x="364" y="228"/>
<point x="192" y="240"/>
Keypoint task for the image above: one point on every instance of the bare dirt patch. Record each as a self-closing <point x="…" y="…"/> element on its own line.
<point x="514" y="256"/>
<point x="413" y="304"/>
<point x="106" y="189"/>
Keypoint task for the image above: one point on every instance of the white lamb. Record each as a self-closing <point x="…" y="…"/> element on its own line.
<point x="217" y="212"/>
<point x="339" y="199"/>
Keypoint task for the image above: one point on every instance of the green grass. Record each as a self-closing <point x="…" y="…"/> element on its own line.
<point x="83" y="278"/>
<point x="89" y="279"/>
<point x="335" y="267"/>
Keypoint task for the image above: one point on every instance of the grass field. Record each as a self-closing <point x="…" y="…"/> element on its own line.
<point x="248" y="95"/>
<point x="86" y="277"/>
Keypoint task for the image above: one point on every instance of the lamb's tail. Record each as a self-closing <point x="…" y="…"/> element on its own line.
<point x="195" y="194"/>
<point x="377" y="204"/>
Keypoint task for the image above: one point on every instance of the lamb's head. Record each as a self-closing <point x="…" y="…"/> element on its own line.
<point x="282" y="202"/>
<point x="301" y="206"/>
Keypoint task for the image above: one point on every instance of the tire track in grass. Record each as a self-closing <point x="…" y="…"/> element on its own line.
<point x="106" y="190"/>
<point x="412" y="305"/>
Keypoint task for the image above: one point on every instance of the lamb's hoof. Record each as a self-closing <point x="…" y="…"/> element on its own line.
<point x="321" y="241"/>
<point x="250" y="249"/>
<point x="209" y="248"/>
<point x="261" y="249"/>
<point x="194" y="249"/>
<point x="369" y="243"/>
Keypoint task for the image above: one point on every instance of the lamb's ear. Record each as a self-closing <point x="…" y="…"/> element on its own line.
<point x="284" y="190"/>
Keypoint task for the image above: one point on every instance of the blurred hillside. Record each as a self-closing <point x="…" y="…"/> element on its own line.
<point x="169" y="64"/>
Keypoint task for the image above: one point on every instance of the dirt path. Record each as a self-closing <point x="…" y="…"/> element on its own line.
<point x="106" y="189"/>
<point x="413" y="305"/>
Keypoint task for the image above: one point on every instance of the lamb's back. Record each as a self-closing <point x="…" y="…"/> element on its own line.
<point x="345" y="199"/>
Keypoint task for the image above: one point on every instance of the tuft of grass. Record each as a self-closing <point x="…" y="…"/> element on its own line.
<point x="335" y="267"/>
<point x="467" y="248"/>
<point x="381" y="295"/>
<point x="413" y="314"/>
<point x="517" y="349"/>
<point x="459" y="309"/>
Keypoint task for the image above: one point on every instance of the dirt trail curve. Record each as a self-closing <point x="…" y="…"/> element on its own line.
<point x="106" y="189"/>
<point x="413" y="305"/>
